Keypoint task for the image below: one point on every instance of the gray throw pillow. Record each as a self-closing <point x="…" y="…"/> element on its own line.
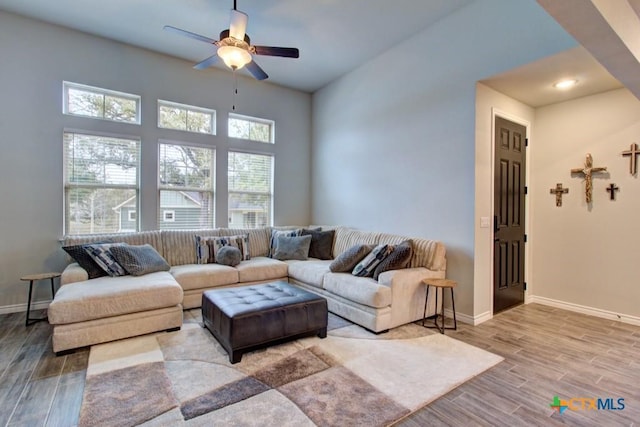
<point x="139" y="260"/>
<point x="273" y="243"/>
<point x="84" y="260"/>
<point x="396" y="260"/>
<point x="294" y="247"/>
<point x="347" y="260"/>
<point x="102" y="255"/>
<point x="321" y="243"/>
<point x="229" y="255"/>
<point x="367" y="266"/>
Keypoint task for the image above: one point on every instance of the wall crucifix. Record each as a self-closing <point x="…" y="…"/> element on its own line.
<point x="587" y="171"/>
<point x="612" y="191"/>
<point x="559" y="191"/>
<point x="633" y="161"/>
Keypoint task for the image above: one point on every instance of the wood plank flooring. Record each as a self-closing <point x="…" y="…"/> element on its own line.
<point x="548" y="352"/>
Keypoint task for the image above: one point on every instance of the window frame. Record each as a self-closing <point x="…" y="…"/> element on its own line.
<point x="188" y="108"/>
<point x="67" y="185"/>
<point x="271" y="193"/>
<point x="168" y="211"/>
<point x="251" y="119"/>
<point x="66" y="85"/>
<point x="160" y="218"/>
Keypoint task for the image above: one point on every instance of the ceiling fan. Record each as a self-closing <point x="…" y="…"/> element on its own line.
<point x="235" y="48"/>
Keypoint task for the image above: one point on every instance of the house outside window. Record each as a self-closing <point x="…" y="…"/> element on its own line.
<point x="189" y="118"/>
<point x="250" y="189"/>
<point x="98" y="103"/>
<point x="186" y="186"/>
<point x="251" y="128"/>
<point x="101" y="178"/>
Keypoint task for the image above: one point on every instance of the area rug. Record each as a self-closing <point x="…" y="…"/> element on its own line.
<point x="351" y="377"/>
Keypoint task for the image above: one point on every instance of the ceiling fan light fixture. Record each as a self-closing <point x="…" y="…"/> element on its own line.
<point x="234" y="57"/>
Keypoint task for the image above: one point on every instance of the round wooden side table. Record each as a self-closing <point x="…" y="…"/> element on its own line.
<point x="34" y="278"/>
<point x="440" y="284"/>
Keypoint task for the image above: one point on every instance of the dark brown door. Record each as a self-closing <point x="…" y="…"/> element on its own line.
<point x="509" y="237"/>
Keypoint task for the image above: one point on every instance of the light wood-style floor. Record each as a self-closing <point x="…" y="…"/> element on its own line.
<point x="548" y="352"/>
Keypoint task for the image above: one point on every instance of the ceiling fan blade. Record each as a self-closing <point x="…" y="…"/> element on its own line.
<point x="238" y="25"/>
<point x="189" y="34"/>
<point x="207" y="62"/>
<point x="287" y="52"/>
<point x="256" y="71"/>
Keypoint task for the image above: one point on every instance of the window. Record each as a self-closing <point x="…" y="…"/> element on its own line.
<point x="251" y="128"/>
<point x="186" y="186"/>
<point x="88" y="101"/>
<point x="169" y="216"/>
<point x="250" y="189"/>
<point x="100" y="183"/>
<point x="186" y="117"/>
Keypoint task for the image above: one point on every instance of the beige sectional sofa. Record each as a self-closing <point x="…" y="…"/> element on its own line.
<point x="89" y="311"/>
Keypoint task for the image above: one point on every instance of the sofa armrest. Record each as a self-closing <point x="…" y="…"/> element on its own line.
<point x="73" y="273"/>
<point x="408" y="293"/>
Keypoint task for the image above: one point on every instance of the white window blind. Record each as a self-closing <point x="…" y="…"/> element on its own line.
<point x="251" y="128"/>
<point x="250" y="189"/>
<point x="100" y="183"/>
<point x="172" y="115"/>
<point x="186" y="186"/>
<point x="95" y="102"/>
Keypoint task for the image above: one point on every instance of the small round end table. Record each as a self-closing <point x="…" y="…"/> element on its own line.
<point x="34" y="278"/>
<point x="440" y="284"/>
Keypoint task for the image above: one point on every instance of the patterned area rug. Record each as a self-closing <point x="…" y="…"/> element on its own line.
<point x="352" y="377"/>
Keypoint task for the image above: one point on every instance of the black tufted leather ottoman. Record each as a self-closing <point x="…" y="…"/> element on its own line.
<point x="248" y="317"/>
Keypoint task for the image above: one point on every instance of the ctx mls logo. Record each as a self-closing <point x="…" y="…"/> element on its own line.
<point x="587" y="404"/>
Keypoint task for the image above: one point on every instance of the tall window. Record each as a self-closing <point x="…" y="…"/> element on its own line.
<point x="186" y="199"/>
<point x="251" y="128"/>
<point x="172" y="115"/>
<point x="100" y="183"/>
<point x="95" y="102"/>
<point x="250" y="189"/>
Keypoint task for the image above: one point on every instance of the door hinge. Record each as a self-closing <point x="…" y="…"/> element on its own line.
<point x="526" y="142"/>
<point x="524" y="238"/>
<point x="525" y="286"/>
<point x="526" y="190"/>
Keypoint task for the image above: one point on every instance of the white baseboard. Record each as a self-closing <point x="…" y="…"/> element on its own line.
<point x="624" y="318"/>
<point x="17" y="308"/>
<point x="465" y="318"/>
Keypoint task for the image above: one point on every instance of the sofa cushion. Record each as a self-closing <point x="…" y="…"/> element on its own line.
<point x="108" y="296"/>
<point x="273" y="243"/>
<point x="180" y="245"/>
<point x="347" y="260"/>
<point x="363" y="290"/>
<point x="367" y="266"/>
<point x="321" y="243"/>
<point x="197" y="276"/>
<point x="397" y="259"/>
<point x="102" y="256"/>
<point x="139" y="260"/>
<point x="84" y="260"/>
<point x="310" y="272"/>
<point x="294" y="247"/>
<point x="261" y="268"/>
<point x="229" y="255"/>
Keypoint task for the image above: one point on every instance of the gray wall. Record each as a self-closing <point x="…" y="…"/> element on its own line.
<point x="394" y="140"/>
<point x="37" y="57"/>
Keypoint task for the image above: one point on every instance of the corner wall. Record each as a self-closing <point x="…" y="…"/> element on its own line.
<point x="394" y="140"/>
<point x="37" y="57"/>
<point x="585" y="257"/>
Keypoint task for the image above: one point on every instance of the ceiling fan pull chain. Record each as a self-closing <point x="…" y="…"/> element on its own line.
<point x="235" y="89"/>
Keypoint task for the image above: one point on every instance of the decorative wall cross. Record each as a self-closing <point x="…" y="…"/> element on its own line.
<point x="587" y="172"/>
<point x="633" y="161"/>
<point x="559" y="191"/>
<point x="612" y="191"/>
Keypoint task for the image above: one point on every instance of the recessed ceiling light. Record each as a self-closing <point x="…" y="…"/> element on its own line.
<point x="565" y="84"/>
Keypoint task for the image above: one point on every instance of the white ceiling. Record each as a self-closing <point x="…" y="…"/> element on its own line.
<point x="334" y="36"/>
